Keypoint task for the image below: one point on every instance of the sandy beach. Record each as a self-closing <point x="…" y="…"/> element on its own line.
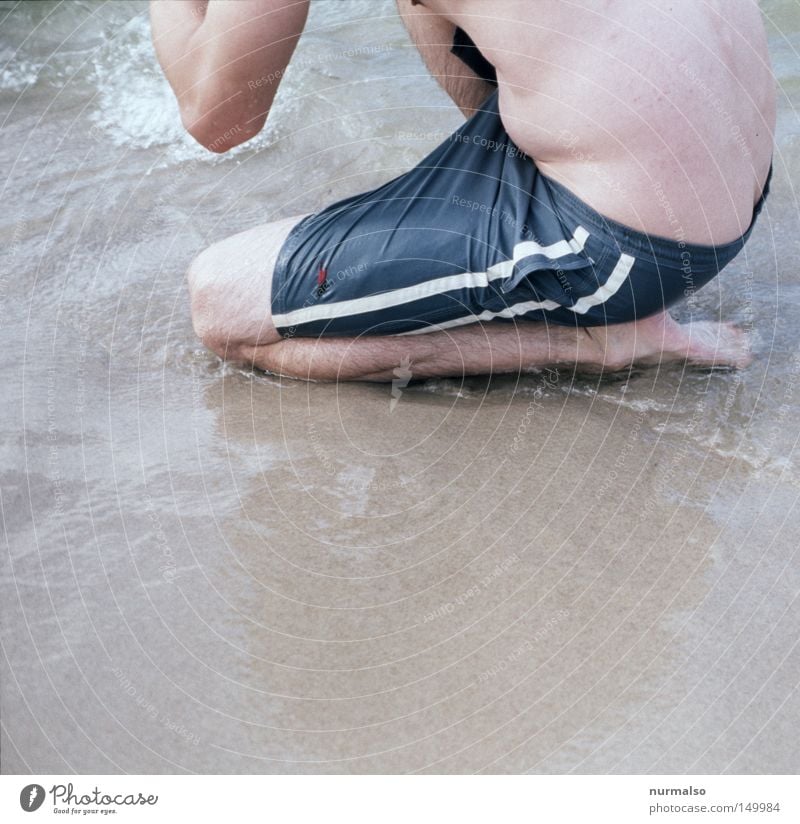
<point x="211" y="570"/>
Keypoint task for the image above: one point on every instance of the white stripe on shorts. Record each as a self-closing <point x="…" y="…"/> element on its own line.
<point x="555" y="251"/>
<point x="581" y="307"/>
<point x="508" y="312"/>
<point x="409" y="294"/>
<point x="609" y="288"/>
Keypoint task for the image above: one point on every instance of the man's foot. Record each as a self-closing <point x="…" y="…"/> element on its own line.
<point x="660" y="340"/>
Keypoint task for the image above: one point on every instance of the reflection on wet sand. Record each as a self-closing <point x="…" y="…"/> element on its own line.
<point x="217" y="571"/>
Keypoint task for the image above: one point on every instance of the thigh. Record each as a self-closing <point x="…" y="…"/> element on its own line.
<point x="417" y="252"/>
<point x="231" y="282"/>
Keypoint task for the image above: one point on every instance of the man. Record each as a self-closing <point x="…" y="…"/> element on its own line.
<point x="616" y="156"/>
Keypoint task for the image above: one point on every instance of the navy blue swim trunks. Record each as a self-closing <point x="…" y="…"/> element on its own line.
<point x="469" y="54"/>
<point x="476" y="233"/>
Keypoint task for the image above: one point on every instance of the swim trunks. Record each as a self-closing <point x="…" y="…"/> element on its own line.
<point x="468" y="53"/>
<point x="475" y="233"/>
<point x="465" y="50"/>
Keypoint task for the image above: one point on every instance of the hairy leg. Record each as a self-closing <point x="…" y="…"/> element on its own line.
<point x="472" y="350"/>
<point x="230" y="288"/>
<point x="495" y="348"/>
<point x="231" y="283"/>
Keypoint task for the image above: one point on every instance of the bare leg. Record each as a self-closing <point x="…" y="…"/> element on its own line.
<point x="502" y="347"/>
<point x="660" y="339"/>
<point x="230" y="285"/>
<point x="472" y="350"/>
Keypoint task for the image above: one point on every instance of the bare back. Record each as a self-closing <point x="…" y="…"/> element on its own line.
<point x="658" y="113"/>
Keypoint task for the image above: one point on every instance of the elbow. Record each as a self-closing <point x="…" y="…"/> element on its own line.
<point x="210" y="140"/>
<point x="219" y="133"/>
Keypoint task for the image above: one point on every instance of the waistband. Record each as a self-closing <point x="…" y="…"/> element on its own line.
<point x="664" y="250"/>
<point x="470" y="55"/>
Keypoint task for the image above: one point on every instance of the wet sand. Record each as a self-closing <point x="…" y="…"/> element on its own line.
<point x="210" y="570"/>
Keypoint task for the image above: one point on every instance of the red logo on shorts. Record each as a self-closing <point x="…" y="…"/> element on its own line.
<point x="322" y="281"/>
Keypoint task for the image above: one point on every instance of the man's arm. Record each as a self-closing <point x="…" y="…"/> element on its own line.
<point x="224" y="60"/>
<point x="433" y="36"/>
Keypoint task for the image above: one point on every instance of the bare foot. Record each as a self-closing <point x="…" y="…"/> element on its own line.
<point x="660" y="340"/>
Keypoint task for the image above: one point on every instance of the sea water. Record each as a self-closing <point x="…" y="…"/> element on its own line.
<point x="211" y="569"/>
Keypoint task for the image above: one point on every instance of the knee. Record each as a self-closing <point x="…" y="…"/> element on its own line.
<point x="209" y="302"/>
<point x="230" y="288"/>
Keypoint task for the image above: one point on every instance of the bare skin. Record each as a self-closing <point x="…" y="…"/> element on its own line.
<point x="241" y="301"/>
<point x="615" y="118"/>
<point x="618" y="99"/>
<point x="496" y="348"/>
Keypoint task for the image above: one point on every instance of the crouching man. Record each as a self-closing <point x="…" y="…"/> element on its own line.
<point x="612" y="161"/>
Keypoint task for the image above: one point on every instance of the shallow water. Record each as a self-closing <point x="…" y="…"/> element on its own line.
<point x="216" y="571"/>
